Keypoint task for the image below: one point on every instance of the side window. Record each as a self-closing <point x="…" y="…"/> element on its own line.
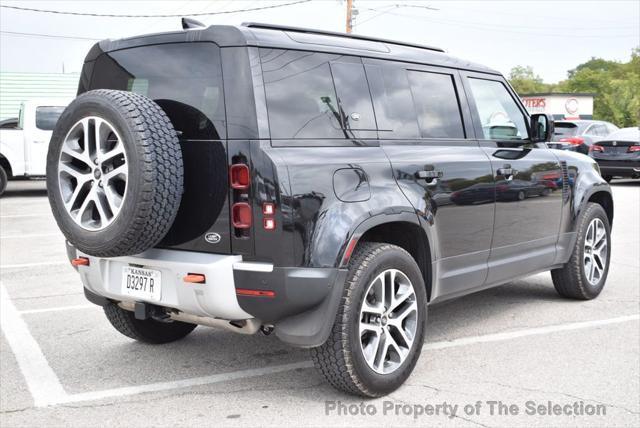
<point x="354" y="98"/>
<point x="500" y="117"/>
<point x="392" y="101"/>
<point x="436" y="103"/>
<point x="301" y="99"/>
<point x="46" y="117"/>
<point x="601" y="130"/>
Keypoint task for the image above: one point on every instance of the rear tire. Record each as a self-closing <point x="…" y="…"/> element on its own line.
<point x="576" y="279"/>
<point x="357" y="360"/>
<point x="147" y="331"/>
<point x="3" y="180"/>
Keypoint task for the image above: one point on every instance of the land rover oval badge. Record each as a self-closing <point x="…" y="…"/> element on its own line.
<point x="212" y="238"/>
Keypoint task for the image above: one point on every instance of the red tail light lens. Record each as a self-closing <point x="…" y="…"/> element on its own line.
<point x="241" y="215"/>
<point x="634" y="149"/>
<point x="239" y="176"/>
<point x="576" y="141"/>
<point x="596" y="148"/>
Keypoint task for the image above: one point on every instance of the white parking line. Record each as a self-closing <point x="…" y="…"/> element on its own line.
<point x="46" y="389"/>
<point x="499" y="337"/>
<point x="185" y="383"/>
<point x="44" y="385"/>
<point x="57" y="309"/>
<point x="28" y="265"/>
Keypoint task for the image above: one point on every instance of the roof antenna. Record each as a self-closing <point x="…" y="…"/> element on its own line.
<point x="190" y="23"/>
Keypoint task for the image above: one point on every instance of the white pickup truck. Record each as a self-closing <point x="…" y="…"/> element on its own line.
<point x="24" y="141"/>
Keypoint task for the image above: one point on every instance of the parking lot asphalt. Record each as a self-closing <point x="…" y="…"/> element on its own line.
<point x="520" y="344"/>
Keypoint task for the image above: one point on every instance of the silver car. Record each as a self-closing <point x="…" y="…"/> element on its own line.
<point x="578" y="135"/>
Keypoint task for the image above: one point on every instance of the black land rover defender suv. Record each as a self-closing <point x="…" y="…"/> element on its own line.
<point x="323" y="186"/>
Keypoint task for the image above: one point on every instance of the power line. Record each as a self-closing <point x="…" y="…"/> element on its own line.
<point x="52" y="36"/>
<point x="107" y="15"/>
<point x="498" y="28"/>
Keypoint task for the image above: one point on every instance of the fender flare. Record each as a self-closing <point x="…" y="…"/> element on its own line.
<point x="312" y="327"/>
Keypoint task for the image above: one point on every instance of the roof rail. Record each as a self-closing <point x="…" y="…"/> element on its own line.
<point x="335" y="34"/>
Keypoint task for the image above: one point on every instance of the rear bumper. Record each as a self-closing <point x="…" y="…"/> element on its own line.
<point x="619" y="168"/>
<point x="300" y="302"/>
<point x="216" y="298"/>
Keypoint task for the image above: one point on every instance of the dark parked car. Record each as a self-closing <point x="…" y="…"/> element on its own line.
<point x="618" y="155"/>
<point x="578" y="135"/>
<point x="300" y="182"/>
<point x="509" y="190"/>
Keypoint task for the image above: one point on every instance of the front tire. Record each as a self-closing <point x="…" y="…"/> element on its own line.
<point x="147" y="331"/>
<point x="3" y="180"/>
<point x="584" y="276"/>
<point x="378" y="332"/>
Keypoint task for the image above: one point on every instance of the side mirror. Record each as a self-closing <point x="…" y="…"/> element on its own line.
<point x="541" y="127"/>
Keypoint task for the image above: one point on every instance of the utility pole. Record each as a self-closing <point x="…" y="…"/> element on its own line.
<point x="349" y="15"/>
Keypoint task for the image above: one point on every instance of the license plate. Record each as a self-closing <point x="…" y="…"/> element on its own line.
<point x="142" y="283"/>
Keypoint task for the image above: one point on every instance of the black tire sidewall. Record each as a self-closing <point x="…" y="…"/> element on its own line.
<point x="4" y="178"/>
<point x="389" y="259"/>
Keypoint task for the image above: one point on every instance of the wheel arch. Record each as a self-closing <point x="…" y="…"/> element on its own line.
<point x="604" y="199"/>
<point x="4" y="163"/>
<point x="402" y="230"/>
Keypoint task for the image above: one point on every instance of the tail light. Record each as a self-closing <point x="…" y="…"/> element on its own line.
<point x="240" y="182"/>
<point x="634" y="149"/>
<point x="596" y="148"/>
<point x="241" y="215"/>
<point x="240" y="177"/>
<point x="268" y="211"/>
<point x="576" y="141"/>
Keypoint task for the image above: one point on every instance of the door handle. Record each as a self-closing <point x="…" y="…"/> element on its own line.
<point x="430" y="176"/>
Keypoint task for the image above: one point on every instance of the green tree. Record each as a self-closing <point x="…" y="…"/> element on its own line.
<point x="525" y="81"/>
<point x="616" y="86"/>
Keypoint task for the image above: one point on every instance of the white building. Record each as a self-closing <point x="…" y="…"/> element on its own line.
<point x="561" y="105"/>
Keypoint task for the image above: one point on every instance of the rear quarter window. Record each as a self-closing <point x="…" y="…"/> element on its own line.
<point x="301" y="97"/>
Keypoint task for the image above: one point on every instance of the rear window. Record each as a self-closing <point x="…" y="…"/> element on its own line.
<point x="564" y="130"/>
<point x="185" y="79"/>
<point x="46" y="117"/>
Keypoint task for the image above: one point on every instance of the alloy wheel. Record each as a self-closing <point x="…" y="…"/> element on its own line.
<point x="93" y="172"/>
<point x="595" y="251"/>
<point x="388" y="321"/>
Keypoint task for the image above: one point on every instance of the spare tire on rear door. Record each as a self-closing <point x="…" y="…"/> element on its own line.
<point x="114" y="173"/>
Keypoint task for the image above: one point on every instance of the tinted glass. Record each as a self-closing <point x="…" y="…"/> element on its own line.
<point x="500" y="117"/>
<point x="9" y="123"/>
<point x="301" y="99"/>
<point x="392" y="101"/>
<point x="185" y="79"/>
<point x="564" y="130"/>
<point x="46" y="117"/>
<point x="353" y="95"/>
<point x="436" y="103"/>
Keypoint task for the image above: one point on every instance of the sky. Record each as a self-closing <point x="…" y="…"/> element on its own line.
<point x="552" y="36"/>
